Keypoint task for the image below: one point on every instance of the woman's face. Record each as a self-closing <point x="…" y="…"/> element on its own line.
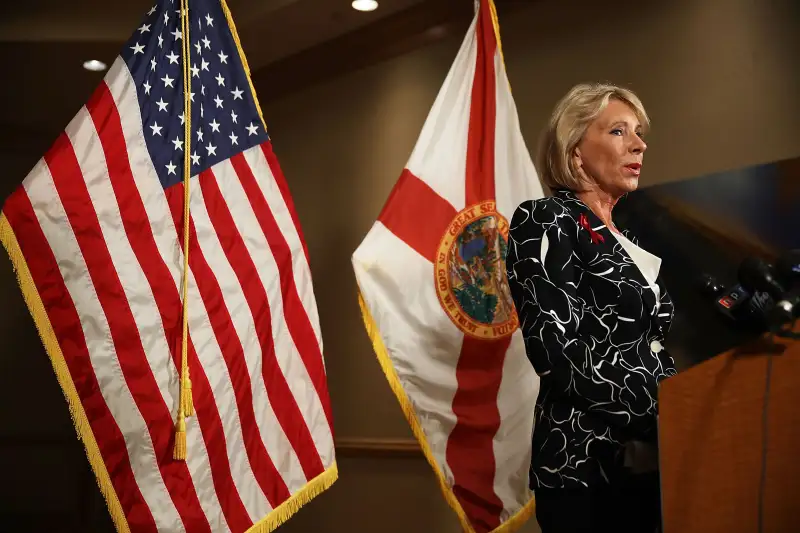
<point x="610" y="153"/>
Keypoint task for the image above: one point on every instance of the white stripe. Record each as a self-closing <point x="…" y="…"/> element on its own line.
<point x="91" y="159"/>
<point x="321" y="432"/>
<point x="423" y="343"/>
<point x="516" y="400"/>
<point x="253" y="497"/>
<point x="286" y="352"/>
<point x="515" y="181"/>
<point x="515" y="176"/>
<point x="302" y="270"/>
<point x="272" y="434"/>
<point x="439" y="156"/>
<point x="57" y="229"/>
<point x="122" y="88"/>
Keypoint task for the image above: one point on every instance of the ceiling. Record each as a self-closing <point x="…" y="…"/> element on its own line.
<point x="290" y="44"/>
<point x="269" y="29"/>
<point x="43" y="44"/>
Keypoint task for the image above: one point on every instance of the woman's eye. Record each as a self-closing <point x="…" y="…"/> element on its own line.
<point x="616" y="131"/>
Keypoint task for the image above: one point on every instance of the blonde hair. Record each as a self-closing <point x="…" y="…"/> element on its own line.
<point x="570" y="119"/>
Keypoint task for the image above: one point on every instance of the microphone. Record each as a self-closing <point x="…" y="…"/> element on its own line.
<point x="711" y="285"/>
<point x="755" y="274"/>
<point x="746" y="309"/>
<point x="788" y="266"/>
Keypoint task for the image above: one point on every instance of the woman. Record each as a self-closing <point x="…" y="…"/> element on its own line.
<point x="593" y="313"/>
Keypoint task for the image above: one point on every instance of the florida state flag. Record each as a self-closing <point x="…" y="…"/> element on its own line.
<point x="434" y="294"/>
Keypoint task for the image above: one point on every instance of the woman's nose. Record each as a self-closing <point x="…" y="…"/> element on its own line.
<point x="638" y="146"/>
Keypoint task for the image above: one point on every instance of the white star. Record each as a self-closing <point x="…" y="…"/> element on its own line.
<point x="167" y="81"/>
<point x="152" y="10"/>
<point x="195" y="71"/>
<point x="137" y="49"/>
<point x="237" y="93"/>
<point x="212" y="150"/>
<point x="160" y="41"/>
<point x="162" y="105"/>
<point x="234" y="117"/>
<point x="183" y="119"/>
<point x="156" y="128"/>
<point x="153" y="64"/>
<point x="218" y="101"/>
<point x="252" y="129"/>
<point x="202" y="111"/>
<point x="173" y="58"/>
<point x="146" y="88"/>
<point x="206" y="42"/>
<point x="195" y="158"/>
<point x="166" y="17"/>
<point x="234" y="139"/>
<point x="144" y="28"/>
<point x="178" y="143"/>
<point x="200" y="24"/>
<point x="214" y="125"/>
<point x="203" y="90"/>
<point x="177" y="34"/>
<point x="209" y="20"/>
<point x="203" y="64"/>
<point x="200" y="135"/>
<point x="220" y="80"/>
<point x="171" y="168"/>
<point x="197" y="45"/>
<point x="223" y="58"/>
<point x="191" y="97"/>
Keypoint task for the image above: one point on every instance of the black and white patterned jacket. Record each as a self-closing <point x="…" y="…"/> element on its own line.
<point x="593" y="331"/>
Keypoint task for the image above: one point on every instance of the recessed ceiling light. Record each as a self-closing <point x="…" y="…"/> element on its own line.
<point x="365" y="5"/>
<point x="94" y="65"/>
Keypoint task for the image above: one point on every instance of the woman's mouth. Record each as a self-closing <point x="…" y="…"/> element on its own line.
<point x="634" y="169"/>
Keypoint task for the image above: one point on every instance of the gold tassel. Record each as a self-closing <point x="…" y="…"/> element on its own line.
<point x="179" y="453"/>
<point x="186" y="398"/>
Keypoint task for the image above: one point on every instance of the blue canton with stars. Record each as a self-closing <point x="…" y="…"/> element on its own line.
<point x="225" y="120"/>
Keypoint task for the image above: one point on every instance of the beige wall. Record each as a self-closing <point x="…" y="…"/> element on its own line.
<point x="719" y="78"/>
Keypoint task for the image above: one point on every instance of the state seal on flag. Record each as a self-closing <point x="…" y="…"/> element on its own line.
<point x="470" y="273"/>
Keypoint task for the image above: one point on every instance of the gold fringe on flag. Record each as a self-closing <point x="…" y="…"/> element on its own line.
<point x="53" y="349"/>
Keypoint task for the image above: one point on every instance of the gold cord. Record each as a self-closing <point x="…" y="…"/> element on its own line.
<point x="185" y="405"/>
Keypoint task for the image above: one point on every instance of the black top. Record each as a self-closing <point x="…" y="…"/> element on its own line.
<point x="593" y="331"/>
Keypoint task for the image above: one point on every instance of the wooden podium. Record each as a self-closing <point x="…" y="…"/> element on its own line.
<point x="711" y="442"/>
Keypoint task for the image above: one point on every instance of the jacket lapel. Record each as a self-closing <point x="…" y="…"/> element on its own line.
<point x="608" y="244"/>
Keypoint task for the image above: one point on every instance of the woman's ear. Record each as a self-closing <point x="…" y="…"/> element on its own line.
<point x="577" y="160"/>
<point x="577" y="166"/>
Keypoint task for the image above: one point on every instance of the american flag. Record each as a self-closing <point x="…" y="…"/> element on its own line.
<point x="95" y="233"/>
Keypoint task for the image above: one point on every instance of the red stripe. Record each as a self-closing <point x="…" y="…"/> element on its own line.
<point x="479" y="372"/>
<point x="138" y="228"/>
<point x="280" y="396"/>
<point x="263" y="468"/>
<point x="66" y="324"/>
<point x="482" y="119"/>
<point x="417" y="215"/>
<point x="470" y="446"/>
<point x="283" y="185"/>
<point x="294" y="312"/>
<point x="128" y="346"/>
